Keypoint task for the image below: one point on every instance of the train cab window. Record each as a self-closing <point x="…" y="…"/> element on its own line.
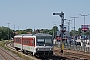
<point x="48" y="41"/>
<point x="40" y="40"/>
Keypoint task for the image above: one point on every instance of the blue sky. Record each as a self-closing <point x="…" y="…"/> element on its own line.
<point x="37" y="14"/>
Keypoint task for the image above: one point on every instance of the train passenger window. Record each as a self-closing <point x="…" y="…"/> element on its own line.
<point x="23" y="41"/>
<point x="16" y="39"/>
<point x="27" y="41"/>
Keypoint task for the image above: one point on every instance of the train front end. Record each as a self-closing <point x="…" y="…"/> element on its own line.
<point x="44" y="46"/>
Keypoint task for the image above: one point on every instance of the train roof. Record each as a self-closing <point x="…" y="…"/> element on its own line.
<point x="42" y="34"/>
<point x="38" y="34"/>
<point x="25" y="35"/>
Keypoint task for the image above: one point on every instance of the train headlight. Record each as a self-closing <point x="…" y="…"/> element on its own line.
<point x="38" y="48"/>
<point x="50" y="48"/>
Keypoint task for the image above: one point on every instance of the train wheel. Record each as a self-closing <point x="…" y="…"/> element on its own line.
<point x="31" y="53"/>
<point x="16" y="49"/>
<point x="26" y="52"/>
<point x="23" y="51"/>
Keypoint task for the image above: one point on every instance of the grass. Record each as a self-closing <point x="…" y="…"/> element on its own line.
<point x="2" y="44"/>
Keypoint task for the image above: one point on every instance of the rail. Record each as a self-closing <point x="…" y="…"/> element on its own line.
<point x="7" y="54"/>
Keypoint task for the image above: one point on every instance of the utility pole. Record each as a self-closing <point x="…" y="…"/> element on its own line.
<point x="74" y="22"/>
<point x="14" y="31"/>
<point x="84" y="27"/>
<point x="18" y="29"/>
<point x="8" y="30"/>
<point x="84" y="17"/>
<point x="69" y="27"/>
<point x="26" y="29"/>
<point x="68" y="24"/>
<point x="62" y="29"/>
<point x="74" y="30"/>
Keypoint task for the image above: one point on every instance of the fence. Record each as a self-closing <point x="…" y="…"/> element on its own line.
<point x="74" y="47"/>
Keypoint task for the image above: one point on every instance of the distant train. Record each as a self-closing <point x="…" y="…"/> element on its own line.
<point x="36" y="44"/>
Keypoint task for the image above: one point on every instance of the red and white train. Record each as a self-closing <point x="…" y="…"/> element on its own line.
<point x="36" y="44"/>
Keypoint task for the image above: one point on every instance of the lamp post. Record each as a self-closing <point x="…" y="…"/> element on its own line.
<point x="68" y="24"/>
<point x="84" y="17"/>
<point x="74" y="30"/>
<point x="74" y="22"/>
<point x="8" y="30"/>
<point x="69" y="27"/>
<point x="84" y="27"/>
<point x="84" y="20"/>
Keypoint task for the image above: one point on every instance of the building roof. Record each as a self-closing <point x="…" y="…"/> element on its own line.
<point x="38" y="34"/>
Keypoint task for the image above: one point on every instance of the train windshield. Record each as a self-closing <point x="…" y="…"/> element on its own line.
<point x="44" y="41"/>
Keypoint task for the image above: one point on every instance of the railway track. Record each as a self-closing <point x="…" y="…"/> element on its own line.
<point x="6" y="55"/>
<point x="73" y="55"/>
<point x="54" y="57"/>
<point x="11" y="47"/>
<point x="68" y="55"/>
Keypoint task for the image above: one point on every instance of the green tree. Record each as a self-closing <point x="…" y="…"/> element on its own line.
<point x="50" y="32"/>
<point x="22" y="32"/>
<point x="45" y="30"/>
<point x="54" y="30"/>
<point x="79" y="31"/>
<point x="4" y="33"/>
<point x="29" y="30"/>
<point x="72" y="33"/>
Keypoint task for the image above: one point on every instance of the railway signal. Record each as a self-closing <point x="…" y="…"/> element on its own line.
<point x="62" y="28"/>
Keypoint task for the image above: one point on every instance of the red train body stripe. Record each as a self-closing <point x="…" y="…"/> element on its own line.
<point x="25" y="41"/>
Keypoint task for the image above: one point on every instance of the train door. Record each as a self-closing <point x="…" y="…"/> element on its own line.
<point x="33" y="45"/>
<point x="33" y="42"/>
<point x="22" y="42"/>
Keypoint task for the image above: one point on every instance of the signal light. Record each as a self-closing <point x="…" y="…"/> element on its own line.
<point x="53" y="13"/>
